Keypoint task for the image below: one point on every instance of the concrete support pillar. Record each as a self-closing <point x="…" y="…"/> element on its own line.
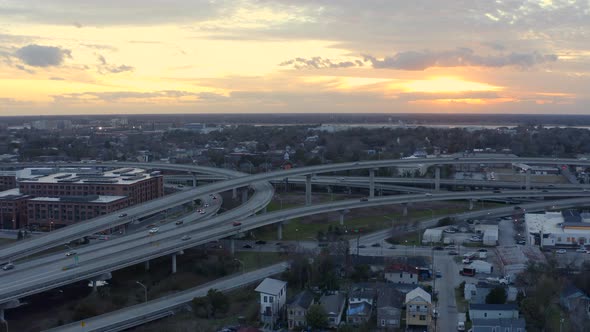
<point x="527" y="180"/>
<point x="147" y="265"/>
<point x="280" y="230"/>
<point x="234" y="193"/>
<point x="371" y="183"/>
<point x="194" y="180"/>
<point x="244" y="195"/>
<point x="470" y="204"/>
<point x="94" y="287"/>
<point x="308" y="189"/>
<point x="405" y="211"/>
<point x="174" y="264"/>
<point x="2" y="319"/>
<point x="437" y="178"/>
<point x="232" y="246"/>
<point x="341" y="218"/>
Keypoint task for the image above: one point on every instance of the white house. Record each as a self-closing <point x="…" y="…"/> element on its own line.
<point x="273" y="296"/>
<point x="401" y="274"/>
<point x="493" y="311"/>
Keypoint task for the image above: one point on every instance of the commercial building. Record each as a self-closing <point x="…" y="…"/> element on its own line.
<point x="136" y="184"/>
<point x="13" y="209"/>
<point x="558" y="228"/>
<point x="7" y="180"/>
<point x="55" y="212"/>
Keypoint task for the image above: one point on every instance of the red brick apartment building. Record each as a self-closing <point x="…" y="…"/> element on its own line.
<point x="7" y="180"/>
<point x="47" y="200"/>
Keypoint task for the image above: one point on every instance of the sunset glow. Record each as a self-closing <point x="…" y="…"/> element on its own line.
<point x="274" y="56"/>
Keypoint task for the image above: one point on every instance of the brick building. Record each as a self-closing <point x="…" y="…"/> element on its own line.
<point x="55" y="212"/>
<point x="7" y="180"/>
<point x="13" y="209"/>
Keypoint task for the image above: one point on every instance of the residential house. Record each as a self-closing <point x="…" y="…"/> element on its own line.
<point x="572" y="298"/>
<point x="498" y="325"/>
<point x="389" y="309"/>
<point x="334" y="306"/>
<point x="273" y="295"/>
<point x="297" y="309"/>
<point x="491" y="311"/>
<point x="401" y="274"/>
<point x="477" y="293"/>
<point x="360" y="306"/>
<point x="418" y="307"/>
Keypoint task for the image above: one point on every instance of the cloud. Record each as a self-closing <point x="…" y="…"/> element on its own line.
<point x="23" y="68"/>
<point x="318" y="62"/>
<point x="461" y="57"/>
<point x="104" y="67"/>
<point x="54" y="78"/>
<point x="141" y="97"/>
<point x="42" y="56"/>
<point x="77" y="25"/>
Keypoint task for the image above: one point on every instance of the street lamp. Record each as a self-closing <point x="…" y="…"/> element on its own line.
<point x="144" y="289"/>
<point x="50" y="226"/>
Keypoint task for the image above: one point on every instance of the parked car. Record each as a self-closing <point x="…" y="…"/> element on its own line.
<point x="260" y="242"/>
<point x="521" y="242"/>
<point x="482" y="250"/>
<point x="362" y="246"/>
<point x="364" y="199"/>
<point x="376" y="245"/>
<point x="453" y="253"/>
<point x="560" y="251"/>
<point x="582" y="250"/>
<point x="466" y="261"/>
<point x="206" y="205"/>
<point x="449" y="230"/>
<point x="438" y="248"/>
<point x="247" y="246"/>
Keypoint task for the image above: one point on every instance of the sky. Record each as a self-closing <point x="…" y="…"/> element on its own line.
<point x="60" y="57"/>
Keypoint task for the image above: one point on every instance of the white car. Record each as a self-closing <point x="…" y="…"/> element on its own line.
<point x="582" y="250"/>
<point x="206" y="205"/>
<point x="154" y="230"/>
<point x="202" y="212"/>
<point x="466" y="261"/>
<point x="70" y="253"/>
<point x="560" y="251"/>
<point x="186" y="237"/>
<point x="8" y="266"/>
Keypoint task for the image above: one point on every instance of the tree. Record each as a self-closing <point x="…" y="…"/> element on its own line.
<point x="218" y="301"/>
<point x="496" y="296"/>
<point x="316" y="317"/>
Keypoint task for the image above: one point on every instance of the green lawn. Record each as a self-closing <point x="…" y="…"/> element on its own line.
<point x="257" y="260"/>
<point x="299" y="229"/>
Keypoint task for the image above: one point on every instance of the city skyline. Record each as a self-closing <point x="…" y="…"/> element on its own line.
<point x="280" y="56"/>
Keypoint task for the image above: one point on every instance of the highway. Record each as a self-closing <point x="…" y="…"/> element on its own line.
<point x="142" y="313"/>
<point x="97" y="224"/>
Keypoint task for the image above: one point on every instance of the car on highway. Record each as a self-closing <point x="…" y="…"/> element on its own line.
<point x="260" y="242"/>
<point x="206" y="205"/>
<point x="179" y="222"/>
<point x="236" y="223"/>
<point x="362" y="246"/>
<point x="340" y="179"/>
<point x="453" y="253"/>
<point x="154" y="230"/>
<point x="8" y="266"/>
<point x="123" y="215"/>
<point x="497" y="191"/>
<point x="438" y="248"/>
<point x="247" y="246"/>
<point x="376" y="245"/>
<point x="186" y="237"/>
<point x="392" y="247"/>
<point x="364" y="199"/>
<point x="428" y="194"/>
<point x="70" y="253"/>
<point x="560" y="251"/>
<point x="482" y="250"/>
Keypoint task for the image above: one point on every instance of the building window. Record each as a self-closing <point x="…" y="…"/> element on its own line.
<point x="265" y="299"/>
<point x="485" y="314"/>
<point x="270" y="299"/>
<point x="422" y="317"/>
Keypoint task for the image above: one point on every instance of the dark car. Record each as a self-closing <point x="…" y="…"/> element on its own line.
<point x="236" y="223"/>
<point x="123" y="215"/>
<point x="180" y="222"/>
<point x="364" y="199"/>
<point x="482" y="250"/>
<point x="247" y="246"/>
<point x="260" y="242"/>
<point x="453" y="253"/>
<point x="438" y="248"/>
<point x="376" y="245"/>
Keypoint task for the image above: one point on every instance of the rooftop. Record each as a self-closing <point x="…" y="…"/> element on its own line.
<point x="555" y="223"/>
<point x="333" y="304"/>
<point x="87" y="175"/>
<point x="271" y="286"/>
<point x="493" y="307"/>
<point x="303" y="299"/>
<point x="77" y="199"/>
<point x="11" y="194"/>
<point x="418" y="292"/>
<point x="486" y="325"/>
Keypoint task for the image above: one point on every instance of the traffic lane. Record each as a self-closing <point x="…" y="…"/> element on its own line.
<point x="95" y="250"/>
